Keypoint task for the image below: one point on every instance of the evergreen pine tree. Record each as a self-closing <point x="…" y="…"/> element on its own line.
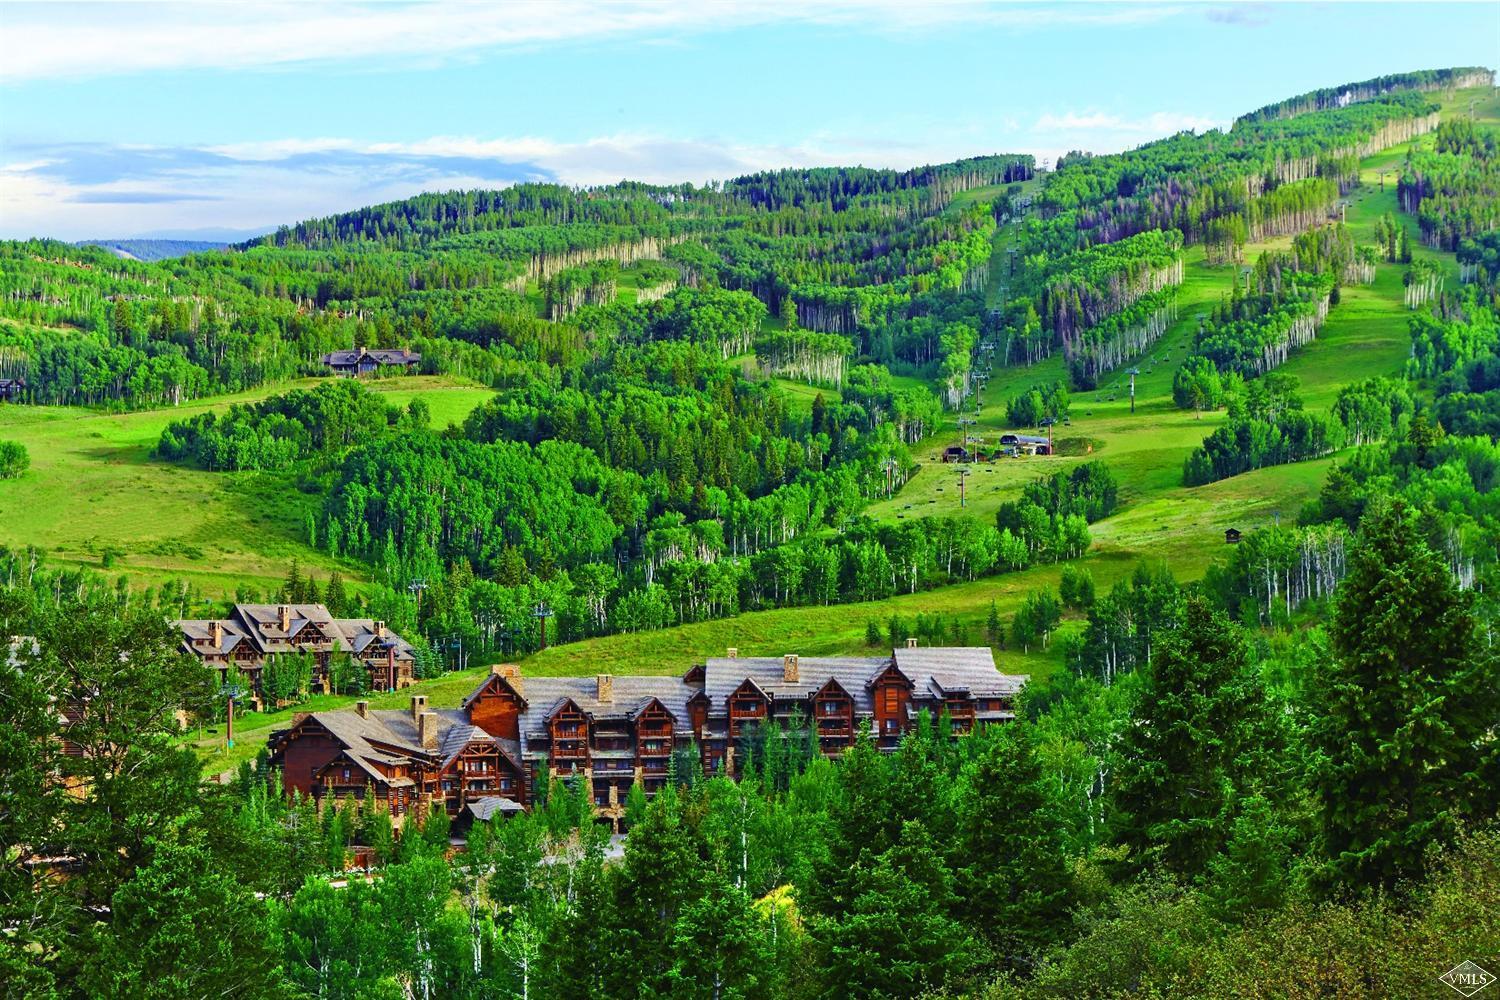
<point x="1203" y="736"/>
<point x="994" y="629"/>
<point x="1014" y="878"/>
<point x="717" y="945"/>
<point x="635" y="805"/>
<point x="898" y="937"/>
<point x="1402" y="707"/>
<point x="1254" y="872"/>
<point x="291" y="587"/>
<point x="659" y="879"/>
<point x="335" y="597"/>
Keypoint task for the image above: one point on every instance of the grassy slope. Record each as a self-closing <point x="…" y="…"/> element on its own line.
<point x="1160" y="520"/>
<point x="93" y="486"/>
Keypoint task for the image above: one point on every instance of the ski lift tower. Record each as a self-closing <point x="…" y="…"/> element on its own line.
<point x="541" y="613"/>
<point x="231" y="692"/>
<point x="1133" y="372"/>
<point x="964" y="424"/>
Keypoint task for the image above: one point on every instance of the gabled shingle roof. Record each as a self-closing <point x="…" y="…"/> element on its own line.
<point x="391" y="356"/>
<point x="932" y="671"/>
<point x="490" y="805"/>
<point x="724" y="675"/>
<point x="455" y="738"/>
<point x="938" y="670"/>
<point x="392" y="737"/>
<point x="260" y="626"/>
<point x="201" y="630"/>
<point x="360" y="638"/>
<point x="631" y="694"/>
<point x="263" y="623"/>
<point x="485" y="682"/>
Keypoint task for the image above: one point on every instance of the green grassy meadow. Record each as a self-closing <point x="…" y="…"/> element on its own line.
<point x="93" y="490"/>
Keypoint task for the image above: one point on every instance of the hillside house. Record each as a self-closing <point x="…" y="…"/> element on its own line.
<point x="363" y="361"/>
<point x="10" y="388"/>
<point x="253" y="634"/>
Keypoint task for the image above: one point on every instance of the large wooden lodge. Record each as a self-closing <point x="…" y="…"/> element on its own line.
<point x="485" y="756"/>
<point x="254" y="634"/>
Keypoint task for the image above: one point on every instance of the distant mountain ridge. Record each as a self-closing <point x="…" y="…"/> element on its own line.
<point x="153" y="250"/>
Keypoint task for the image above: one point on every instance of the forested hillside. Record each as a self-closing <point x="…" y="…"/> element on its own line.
<point x="1244" y="538"/>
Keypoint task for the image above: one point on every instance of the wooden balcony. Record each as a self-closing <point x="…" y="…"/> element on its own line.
<point x="569" y="750"/>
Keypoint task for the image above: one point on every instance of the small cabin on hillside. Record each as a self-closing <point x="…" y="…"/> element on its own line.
<point x="10" y="388"/>
<point x="362" y="361"/>
<point x="1232" y="536"/>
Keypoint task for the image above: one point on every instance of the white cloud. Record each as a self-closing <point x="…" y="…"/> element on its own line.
<point x="75" y="191"/>
<point x="1159" y="124"/>
<point x="97" y="190"/>
<point x="43" y="41"/>
<point x="1056" y="133"/>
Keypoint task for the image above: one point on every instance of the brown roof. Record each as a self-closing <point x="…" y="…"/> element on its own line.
<point x="260" y="625"/>
<point x="391" y="737"/>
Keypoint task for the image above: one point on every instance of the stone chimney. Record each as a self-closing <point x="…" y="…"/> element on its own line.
<point x="380" y="630"/>
<point x="216" y="633"/>
<point x="911" y="642"/>
<point x="427" y="729"/>
<point x="284" y="613"/>
<point x="605" y="684"/>
<point x="789" y="671"/>
<point x="734" y="652"/>
<point x="418" y="706"/>
<point x="511" y="673"/>
<point x="362" y="709"/>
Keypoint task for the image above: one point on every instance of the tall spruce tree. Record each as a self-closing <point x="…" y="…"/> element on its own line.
<point x="1012" y="875"/>
<point x="659" y="878"/>
<point x="1204" y="736"/>
<point x="1403" y="708"/>
<point x="898" y="938"/>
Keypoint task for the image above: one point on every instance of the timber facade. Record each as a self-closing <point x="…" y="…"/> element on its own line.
<point x="487" y="755"/>
<point x="254" y="634"/>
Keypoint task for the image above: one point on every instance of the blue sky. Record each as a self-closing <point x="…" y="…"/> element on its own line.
<point x="121" y="119"/>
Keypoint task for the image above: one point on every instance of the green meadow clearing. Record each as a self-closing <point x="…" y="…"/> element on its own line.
<point x="94" y="495"/>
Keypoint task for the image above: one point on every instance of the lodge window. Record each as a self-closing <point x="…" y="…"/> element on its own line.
<point x="892" y="699"/>
<point x="747" y="706"/>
